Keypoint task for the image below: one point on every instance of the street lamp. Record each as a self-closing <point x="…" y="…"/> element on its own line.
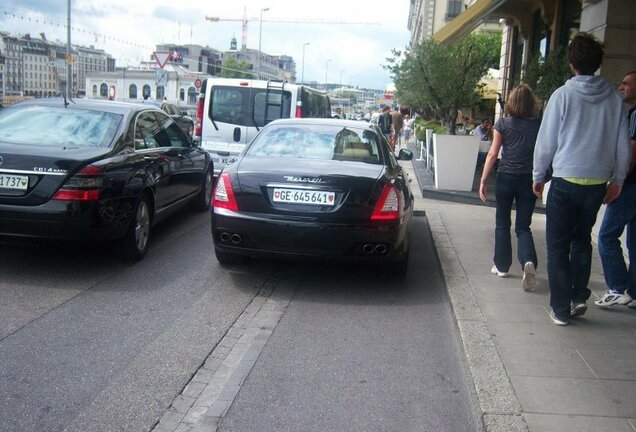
<point x="302" y="77"/>
<point x="326" y="70"/>
<point x="260" y="34"/>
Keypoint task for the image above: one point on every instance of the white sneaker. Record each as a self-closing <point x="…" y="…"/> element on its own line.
<point x="529" y="280"/>
<point x="613" y="298"/>
<point x="556" y="320"/>
<point x="495" y="271"/>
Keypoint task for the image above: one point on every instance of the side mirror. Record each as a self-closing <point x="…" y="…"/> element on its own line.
<point x="405" y="154"/>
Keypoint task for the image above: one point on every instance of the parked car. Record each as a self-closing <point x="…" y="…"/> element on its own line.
<point x="93" y="169"/>
<point x="180" y="116"/>
<point x="317" y="188"/>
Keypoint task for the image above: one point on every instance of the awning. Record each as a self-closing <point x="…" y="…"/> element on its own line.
<point x="467" y="21"/>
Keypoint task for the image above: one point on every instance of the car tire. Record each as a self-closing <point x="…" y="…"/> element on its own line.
<point x="204" y="197"/>
<point x="228" y="258"/>
<point x="135" y="242"/>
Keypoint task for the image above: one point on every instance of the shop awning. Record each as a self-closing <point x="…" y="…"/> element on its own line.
<point x="467" y="21"/>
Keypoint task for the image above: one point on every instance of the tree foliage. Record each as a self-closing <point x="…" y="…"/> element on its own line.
<point x="232" y="68"/>
<point x="437" y="80"/>
<point x="545" y="75"/>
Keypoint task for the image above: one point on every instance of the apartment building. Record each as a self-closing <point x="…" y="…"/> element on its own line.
<point x="37" y="67"/>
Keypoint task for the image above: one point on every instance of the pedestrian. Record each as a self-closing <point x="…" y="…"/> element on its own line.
<point x="515" y="136"/>
<point x="407" y="128"/>
<point x="397" y="121"/>
<point x="583" y="137"/>
<point x="385" y="122"/>
<point x="484" y="130"/>
<point x="621" y="214"/>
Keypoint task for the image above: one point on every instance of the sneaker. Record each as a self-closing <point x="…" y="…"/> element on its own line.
<point x="496" y="271"/>
<point x="632" y="304"/>
<point x="578" y="309"/>
<point x="556" y="320"/>
<point x="611" y="298"/>
<point x="529" y="276"/>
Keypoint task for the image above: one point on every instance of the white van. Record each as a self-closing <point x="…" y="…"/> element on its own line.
<point x="230" y="112"/>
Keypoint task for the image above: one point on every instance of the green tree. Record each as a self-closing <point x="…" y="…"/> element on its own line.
<point x="232" y="68"/>
<point x="545" y="75"/>
<point x="440" y="79"/>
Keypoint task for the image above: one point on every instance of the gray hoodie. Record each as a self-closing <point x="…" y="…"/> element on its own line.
<point x="583" y="133"/>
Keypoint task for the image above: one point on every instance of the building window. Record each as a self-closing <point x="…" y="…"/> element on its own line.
<point x="103" y="90"/>
<point x="454" y="8"/>
<point x="181" y="94"/>
<point x="161" y="92"/>
<point x="146" y="92"/>
<point x="192" y="96"/>
<point x="132" y="92"/>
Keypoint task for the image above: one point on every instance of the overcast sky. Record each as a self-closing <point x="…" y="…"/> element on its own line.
<point x="130" y="29"/>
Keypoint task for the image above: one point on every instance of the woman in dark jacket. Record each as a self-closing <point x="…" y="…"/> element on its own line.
<point x="515" y="136"/>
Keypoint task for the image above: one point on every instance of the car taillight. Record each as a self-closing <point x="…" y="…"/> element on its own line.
<point x="299" y="110"/>
<point x="224" y="194"/>
<point x="85" y="185"/>
<point x="199" y="122"/>
<point x="388" y="205"/>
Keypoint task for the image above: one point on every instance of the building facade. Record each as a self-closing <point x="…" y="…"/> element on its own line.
<point x="36" y="67"/>
<point x="537" y="27"/>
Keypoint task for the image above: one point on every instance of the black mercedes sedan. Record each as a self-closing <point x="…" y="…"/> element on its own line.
<point x="94" y="169"/>
<point x="315" y="188"/>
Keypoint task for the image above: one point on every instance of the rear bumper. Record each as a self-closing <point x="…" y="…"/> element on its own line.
<point x="65" y="220"/>
<point x="262" y="236"/>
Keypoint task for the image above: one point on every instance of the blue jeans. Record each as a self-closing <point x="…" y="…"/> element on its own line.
<point x="570" y="215"/>
<point x="517" y="188"/>
<point x="619" y="214"/>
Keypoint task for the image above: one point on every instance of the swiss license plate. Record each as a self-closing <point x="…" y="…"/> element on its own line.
<point x="300" y="196"/>
<point x="9" y="181"/>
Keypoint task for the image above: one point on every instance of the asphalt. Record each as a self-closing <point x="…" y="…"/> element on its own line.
<point x="528" y="374"/>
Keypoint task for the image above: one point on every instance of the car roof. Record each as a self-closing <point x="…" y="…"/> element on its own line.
<point x="115" y="107"/>
<point x="323" y="122"/>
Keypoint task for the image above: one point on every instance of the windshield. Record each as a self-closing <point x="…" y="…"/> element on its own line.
<point x="317" y="142"/>
<point x="234" y="105"/>
<point x="54" y="127"/>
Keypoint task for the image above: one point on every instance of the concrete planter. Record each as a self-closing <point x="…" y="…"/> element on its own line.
<point x="455" y="158"/>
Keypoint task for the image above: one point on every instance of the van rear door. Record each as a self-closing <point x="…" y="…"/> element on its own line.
<point x="234" y="115"/>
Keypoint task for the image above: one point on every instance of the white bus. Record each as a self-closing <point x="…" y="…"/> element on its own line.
<point x="230" y="112"/>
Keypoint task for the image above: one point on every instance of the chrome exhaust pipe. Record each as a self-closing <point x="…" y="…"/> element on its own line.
<point x="368" y="248"/>
<point x="225" y="237"/>
<point x="380" y="249"/>
<point x="236" y="238"/>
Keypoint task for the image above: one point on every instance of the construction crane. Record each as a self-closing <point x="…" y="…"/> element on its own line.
<point x="245" y="20"/>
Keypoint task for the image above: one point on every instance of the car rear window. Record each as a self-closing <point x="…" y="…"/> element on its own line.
<point x="55" y="127"/>
<point x="242" y="106"/>
<point x="324" y="142"/>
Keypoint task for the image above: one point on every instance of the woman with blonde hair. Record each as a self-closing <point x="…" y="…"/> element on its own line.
<point x="515" y="136"/>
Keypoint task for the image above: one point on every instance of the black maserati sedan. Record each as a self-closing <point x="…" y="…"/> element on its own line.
<point x="94" y="169"/>
<point x="324" y="189"/>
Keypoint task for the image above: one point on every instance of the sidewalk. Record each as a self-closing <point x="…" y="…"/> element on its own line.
<point x="529" y="374"/>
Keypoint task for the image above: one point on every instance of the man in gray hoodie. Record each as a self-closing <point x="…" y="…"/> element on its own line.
<point x="584" y="138"/>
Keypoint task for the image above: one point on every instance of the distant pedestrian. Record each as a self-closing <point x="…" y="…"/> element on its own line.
<point x="584" y="138"/>
<point x="515" y="136"/>
<point x="385" y="122"/>
<point x="397" y="121"/>
<point x="621" y="213"/>
<point x="408" y="128"/>
<point x="484" y="130"/>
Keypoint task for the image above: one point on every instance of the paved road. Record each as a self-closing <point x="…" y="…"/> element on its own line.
<point x="91" y="342"/>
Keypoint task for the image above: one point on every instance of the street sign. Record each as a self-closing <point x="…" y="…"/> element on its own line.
<point x="161" y="77"/>
<point x="161" y="57"/>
